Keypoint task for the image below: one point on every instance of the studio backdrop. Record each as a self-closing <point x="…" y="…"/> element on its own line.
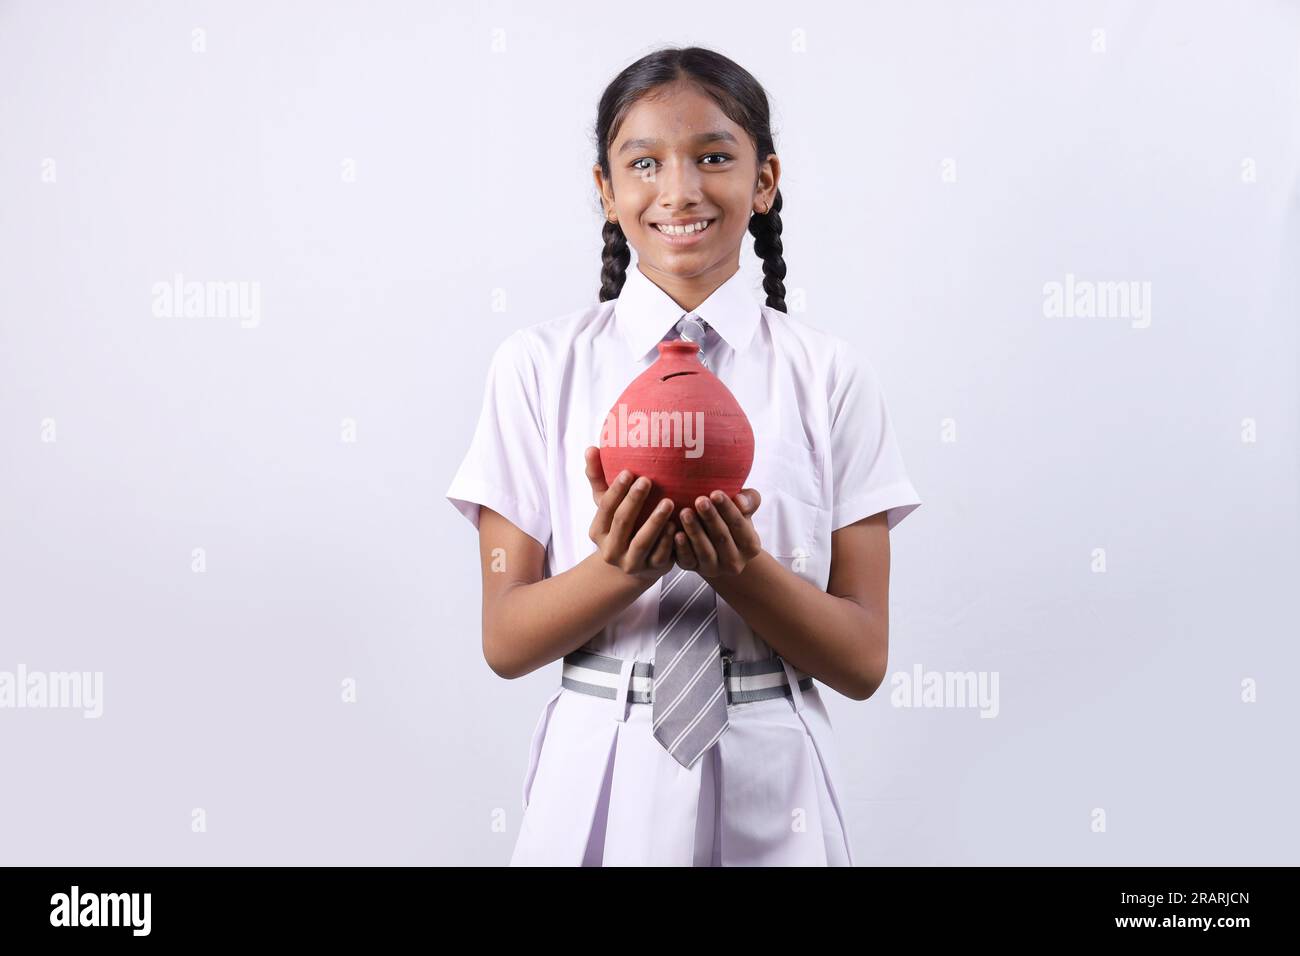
<point x="1063" y="235"/>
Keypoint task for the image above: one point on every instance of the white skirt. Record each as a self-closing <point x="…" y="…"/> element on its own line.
<point x="600" y="790"/>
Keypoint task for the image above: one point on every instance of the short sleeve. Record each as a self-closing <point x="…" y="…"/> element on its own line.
<point x="869" y="475"/>
<point x="505" y="468"/>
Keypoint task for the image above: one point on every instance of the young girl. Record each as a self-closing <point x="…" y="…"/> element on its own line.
<point x="733" y="761"/>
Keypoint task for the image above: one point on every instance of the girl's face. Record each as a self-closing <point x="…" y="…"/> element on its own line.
<point x="678" y="159"/>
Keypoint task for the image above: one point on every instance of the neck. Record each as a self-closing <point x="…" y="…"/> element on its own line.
<point x="690" y="291"/>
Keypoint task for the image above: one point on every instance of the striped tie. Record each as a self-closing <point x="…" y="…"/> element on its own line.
<point x="689" y="703"/>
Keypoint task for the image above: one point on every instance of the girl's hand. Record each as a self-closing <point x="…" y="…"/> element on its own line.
<point x="647" y="554"/>
<point x="719" y="539"/>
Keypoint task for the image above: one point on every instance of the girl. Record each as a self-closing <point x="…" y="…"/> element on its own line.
<point x="729" y="758"/>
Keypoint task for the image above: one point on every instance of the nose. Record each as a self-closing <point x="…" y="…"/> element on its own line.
<point x="679" y="185"/>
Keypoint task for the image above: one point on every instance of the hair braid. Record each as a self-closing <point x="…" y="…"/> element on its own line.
<point x="614" y="259"/>
<point x="766" y="230"/>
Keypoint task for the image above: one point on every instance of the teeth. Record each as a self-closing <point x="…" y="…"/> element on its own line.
<point x="684" y="230"/>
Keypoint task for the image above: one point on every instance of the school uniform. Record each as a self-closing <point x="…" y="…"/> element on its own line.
<point x="599" y="788"/>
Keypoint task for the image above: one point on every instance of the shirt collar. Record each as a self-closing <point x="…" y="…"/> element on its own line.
<point x="645" y="314"/>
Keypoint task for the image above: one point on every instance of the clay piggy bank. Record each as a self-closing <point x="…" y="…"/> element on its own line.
<point x="678" y="425"/>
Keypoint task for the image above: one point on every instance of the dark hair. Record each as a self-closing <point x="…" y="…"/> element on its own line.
<point x="741" y="98"/>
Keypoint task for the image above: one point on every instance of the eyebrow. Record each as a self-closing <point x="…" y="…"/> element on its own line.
<point x="719" y="135"/>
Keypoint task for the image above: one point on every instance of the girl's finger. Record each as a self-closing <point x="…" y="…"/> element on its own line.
<point x="595" y="473"/>
<point x="752" y="499"/>
<point x="742" y="532"/>
<point x="683" y="553"/>
<point x="662" y="556"/>
<point x="610" y="501"/>
<point x="625" y="515"/>
<point x="705" y="556"/>
<point x="647" y="536"/>
<point x="719" y="533"/>
<point x="731" y="514"/>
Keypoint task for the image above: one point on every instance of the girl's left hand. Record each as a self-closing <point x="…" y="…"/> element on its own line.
<point x="719" y="538"/>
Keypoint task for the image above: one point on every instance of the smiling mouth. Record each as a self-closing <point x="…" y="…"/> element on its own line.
<point x="683" y="232"/>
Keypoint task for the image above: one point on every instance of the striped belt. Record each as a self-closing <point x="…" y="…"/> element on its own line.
<point x="598" y="675"/>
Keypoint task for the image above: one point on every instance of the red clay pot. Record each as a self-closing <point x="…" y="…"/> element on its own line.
<point x="675" y="409"/>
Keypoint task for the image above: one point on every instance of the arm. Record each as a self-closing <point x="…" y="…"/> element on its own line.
<point x="840" y="635"/>
<point x="529" y="621"/>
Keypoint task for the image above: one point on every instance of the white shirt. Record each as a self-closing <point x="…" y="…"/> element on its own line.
<point x="825" y="456"/>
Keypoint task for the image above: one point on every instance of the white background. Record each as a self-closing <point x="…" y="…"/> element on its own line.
<point x="381" y="301"/>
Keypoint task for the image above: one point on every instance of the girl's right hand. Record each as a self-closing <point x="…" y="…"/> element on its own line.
<point x="647" y="554"/>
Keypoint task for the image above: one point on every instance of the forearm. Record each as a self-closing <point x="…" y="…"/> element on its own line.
<point x="534" y="624"/>
<point x="834" y="639"/>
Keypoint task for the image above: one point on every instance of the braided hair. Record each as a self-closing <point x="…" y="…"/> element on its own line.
<point x="766" y="230"/>
<point x="613" y="261"/>
<point x="741" y="98"/>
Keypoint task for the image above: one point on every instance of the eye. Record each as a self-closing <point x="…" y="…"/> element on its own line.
<point x="723" y="157"/>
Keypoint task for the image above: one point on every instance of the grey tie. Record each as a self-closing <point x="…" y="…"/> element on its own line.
<point x="689" y="704"/>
